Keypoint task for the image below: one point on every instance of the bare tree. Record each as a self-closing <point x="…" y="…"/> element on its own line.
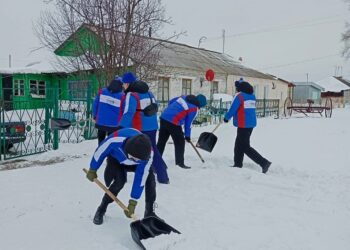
<point x="109" y="36"/>
<point x="346" y="38"/>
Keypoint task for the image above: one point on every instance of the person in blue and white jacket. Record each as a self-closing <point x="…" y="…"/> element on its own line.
<point x="128" y="150"/>
<point x="106" y="108"/>
<point x="181" y="111"/>
<point x="134" y="104"/>
<point x="243" y="111"/>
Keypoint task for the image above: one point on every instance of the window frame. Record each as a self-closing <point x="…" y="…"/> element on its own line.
<point x="212" y="88"/>
<point x="40" y="88"/>
<point x="77" y="89"/>
<point x="162" y="94"/>
<point x="18" y="87"/>
<point x="186" y="86"/>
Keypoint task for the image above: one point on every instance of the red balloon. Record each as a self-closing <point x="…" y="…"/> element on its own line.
<point x="209" y="75"/>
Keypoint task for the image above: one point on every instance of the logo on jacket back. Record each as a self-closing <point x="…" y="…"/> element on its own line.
<point x="110" y="100"/>
<point x="249" y="104"/>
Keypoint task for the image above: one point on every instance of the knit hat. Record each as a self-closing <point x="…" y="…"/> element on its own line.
<point x="129" y="77"/>
<point x="138" y="146"/>
<point x="202" y="100"/>
<point x="115" y="85"/>
<point x="238" y="82"/>
<point x="244" y="86"/>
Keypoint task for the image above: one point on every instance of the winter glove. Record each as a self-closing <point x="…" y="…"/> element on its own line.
<point x="91" y="175"/>
<point x="187" y="138"/>
<point x="131" y="208"/>
<point x="225" y="120"/>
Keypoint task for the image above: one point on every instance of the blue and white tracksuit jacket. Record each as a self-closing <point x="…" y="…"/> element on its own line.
<point x="132" y="116"/>
<point x="106" y="108"/>
<point x="243" y="110"/>
<point x="180" y="112"/>
<point x="113" y="146"/>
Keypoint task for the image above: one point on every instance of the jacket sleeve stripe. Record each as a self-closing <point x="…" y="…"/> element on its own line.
<point x="99" y="151"/>
<point x="127" y="99"/>
<point x="183" y="103"/>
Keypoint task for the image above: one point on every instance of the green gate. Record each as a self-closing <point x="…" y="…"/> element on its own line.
<point x="76" y="107"/>
<point x="24" y="126"/>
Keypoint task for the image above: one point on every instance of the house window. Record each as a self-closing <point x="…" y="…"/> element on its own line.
<point x="266" y="92"/>
<point x="214" y="88"/>
<point x="37" y="88"/>
<point x="186" y="86"/>
<point x="163" y="89"/>
<point x="78" y="89"/>
<point x="18" y="88"/>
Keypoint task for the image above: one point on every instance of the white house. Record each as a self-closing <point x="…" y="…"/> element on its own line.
<point x="337" y="88"/>
<point x="183" y="71"/>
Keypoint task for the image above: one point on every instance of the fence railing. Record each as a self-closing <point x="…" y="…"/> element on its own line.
<point x="25" y="128"/>
<point x="215" y="110"/>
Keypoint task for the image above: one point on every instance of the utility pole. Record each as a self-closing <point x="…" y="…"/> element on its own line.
<point x="10" y="60"/>
<point x="307" y="77"/>
<point x="223" y="41"/>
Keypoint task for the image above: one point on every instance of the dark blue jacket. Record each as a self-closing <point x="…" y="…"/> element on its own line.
<point x="106" y="108"/>
<point x="136" y="98"/>
<point x="243" y="108"/>
<point x="182" y="110"/>
<point x="113" y="146"/>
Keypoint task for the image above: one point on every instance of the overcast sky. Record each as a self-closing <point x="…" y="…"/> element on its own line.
<point x="290" y="39"/>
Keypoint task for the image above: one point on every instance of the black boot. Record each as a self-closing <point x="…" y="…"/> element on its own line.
<point x="101" y="210"/>
<point x="149" y="209"/>
<point x="265" y="167"/>
<point x="98" y="218"/>
<point x="182" y="165"/>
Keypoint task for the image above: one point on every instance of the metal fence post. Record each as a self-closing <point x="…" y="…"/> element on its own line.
<point x="2" y="140"/>
<point x="221" y="111"/>
<point x="88" y="129"/>
<point x="55" y="114"/>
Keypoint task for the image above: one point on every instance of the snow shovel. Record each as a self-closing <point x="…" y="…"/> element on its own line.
<point x="207" y="140"/>
<point x="148" y="227"/>
<point x="62" y="124"/>
<point x="195" y="149"/>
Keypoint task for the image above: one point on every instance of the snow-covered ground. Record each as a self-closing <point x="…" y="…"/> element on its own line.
<point x="302" y="203"/>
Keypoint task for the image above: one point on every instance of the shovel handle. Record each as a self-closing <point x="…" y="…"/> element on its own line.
<point x="111" y="195"/>
<point x="217" y="126"/>
<point x="194" y="147"/>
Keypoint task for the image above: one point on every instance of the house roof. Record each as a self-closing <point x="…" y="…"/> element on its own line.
<point x="290" y="84"/>
<point x="333" y="84"/>
<point x="343" y="80"/>
<point x="188" y="57"/>
<point x="32" y="68"/>
<point x="315" y="85"/>
<point x="179" y="55"/>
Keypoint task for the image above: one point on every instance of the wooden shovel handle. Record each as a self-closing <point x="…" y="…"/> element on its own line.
<point x="111" y="195"/>
<point x="197" y="151"/>
<point x="217" y="126"/>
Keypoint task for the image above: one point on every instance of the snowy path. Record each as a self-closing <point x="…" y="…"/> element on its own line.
<point x="302" y="203"/>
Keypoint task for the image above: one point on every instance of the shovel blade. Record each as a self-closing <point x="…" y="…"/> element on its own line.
<point x="149" y="227"/>
<point x="206" y="141"/>
<point x="60" y="123"/>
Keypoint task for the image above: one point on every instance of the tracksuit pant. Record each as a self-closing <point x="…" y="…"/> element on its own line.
<point x="242" y="146"/>
<point x="169" y="129"/>
<point x="115" y="178"/>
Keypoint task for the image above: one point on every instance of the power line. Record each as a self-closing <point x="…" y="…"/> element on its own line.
<point x="299" y="62"/>
<point x="303" y="24"/>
